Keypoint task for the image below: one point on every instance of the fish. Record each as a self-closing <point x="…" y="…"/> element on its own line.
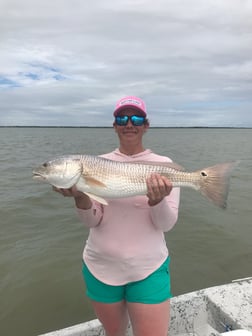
<point x="103" y="179"/>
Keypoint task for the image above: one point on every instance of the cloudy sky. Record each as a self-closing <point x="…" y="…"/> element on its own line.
<point x="67" y="62"/>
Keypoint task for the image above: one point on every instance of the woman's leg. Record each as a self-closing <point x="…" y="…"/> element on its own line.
<point x="108" y="303"/>
<point x="113" y="316"/>
<point x="149" y="319"/>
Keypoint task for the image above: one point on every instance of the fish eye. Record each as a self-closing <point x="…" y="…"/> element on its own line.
<point x="45" y="165"/>
<point x="203" y="173"/>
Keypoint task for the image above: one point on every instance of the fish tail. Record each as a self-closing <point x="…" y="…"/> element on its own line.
<point x="214" y="182"/>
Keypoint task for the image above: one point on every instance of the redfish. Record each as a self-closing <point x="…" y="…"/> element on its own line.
<point x="103" y="179"/>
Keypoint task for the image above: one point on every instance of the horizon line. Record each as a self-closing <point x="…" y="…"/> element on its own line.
<point x="44" y="126"/>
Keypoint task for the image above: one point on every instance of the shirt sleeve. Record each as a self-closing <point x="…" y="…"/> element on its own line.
<point x="164" y="215"/>
<point x="93" y="216"/>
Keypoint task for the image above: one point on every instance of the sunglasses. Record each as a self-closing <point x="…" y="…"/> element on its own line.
<point x="135" y="120"/>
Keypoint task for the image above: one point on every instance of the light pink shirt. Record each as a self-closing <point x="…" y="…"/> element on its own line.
<point x="126" y="239"/>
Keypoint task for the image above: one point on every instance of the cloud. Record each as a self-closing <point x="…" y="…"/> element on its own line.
<point x="66" y="63"/>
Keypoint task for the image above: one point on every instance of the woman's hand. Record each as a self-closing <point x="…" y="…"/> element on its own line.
<point x="71" y="192"/>
<point x="82" y="201"/>
<point x="158" y="187"/>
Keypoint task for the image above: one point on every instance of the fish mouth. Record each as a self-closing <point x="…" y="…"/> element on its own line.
<point x="37" y="176"/>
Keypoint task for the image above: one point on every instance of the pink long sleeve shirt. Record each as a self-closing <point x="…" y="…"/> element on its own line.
<point x="126" y="240"/>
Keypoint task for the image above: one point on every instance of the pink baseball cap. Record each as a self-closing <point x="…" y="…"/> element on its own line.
<point x="130" y="102"/>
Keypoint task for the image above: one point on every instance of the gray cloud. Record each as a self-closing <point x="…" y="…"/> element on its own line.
<point x="66" y="63"/>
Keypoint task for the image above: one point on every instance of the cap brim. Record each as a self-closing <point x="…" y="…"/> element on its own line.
<point x="118" y="110"/>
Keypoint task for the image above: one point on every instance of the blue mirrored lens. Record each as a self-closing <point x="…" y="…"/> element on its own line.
<point x="121" y="121"/>
<point x="135" y="120"/>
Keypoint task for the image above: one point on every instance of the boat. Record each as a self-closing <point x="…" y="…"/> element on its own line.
<point x="224" y="310"/>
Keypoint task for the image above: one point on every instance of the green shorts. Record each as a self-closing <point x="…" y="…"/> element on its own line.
<point x="156" y="288"/>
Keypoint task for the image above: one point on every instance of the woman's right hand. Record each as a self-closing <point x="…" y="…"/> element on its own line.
<point x="71" y="192"/>
<point x="82" y="201"/>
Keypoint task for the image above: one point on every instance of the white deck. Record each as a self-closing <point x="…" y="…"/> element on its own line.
<point x="207" y="312"/>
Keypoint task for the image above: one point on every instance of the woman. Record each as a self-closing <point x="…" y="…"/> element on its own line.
<point x="126" y="260"/>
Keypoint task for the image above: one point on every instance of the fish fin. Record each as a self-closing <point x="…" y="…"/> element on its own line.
<point x="96" y="198"/>
<point x="172" y="165"/>
<point x="214" y="182"/>
<point x="91" y="181"/>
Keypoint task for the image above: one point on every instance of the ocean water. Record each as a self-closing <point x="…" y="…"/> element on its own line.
<point x="41" y="238"/>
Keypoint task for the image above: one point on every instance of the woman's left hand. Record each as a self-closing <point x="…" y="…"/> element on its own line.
<point x="158" y="187"/>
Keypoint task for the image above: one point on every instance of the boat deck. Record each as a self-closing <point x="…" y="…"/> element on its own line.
<point x="213" y="311"/>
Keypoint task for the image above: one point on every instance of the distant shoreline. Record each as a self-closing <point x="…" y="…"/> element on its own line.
<point x="152" y="127"/>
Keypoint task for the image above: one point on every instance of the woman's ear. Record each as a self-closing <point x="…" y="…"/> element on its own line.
<point x="114" y="125"/>
<point x="146" y="125"/>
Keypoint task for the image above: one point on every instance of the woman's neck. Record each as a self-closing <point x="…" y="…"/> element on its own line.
<point x="131" y="150"/>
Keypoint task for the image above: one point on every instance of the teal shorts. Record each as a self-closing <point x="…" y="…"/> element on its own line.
<point x="156" y="288"/>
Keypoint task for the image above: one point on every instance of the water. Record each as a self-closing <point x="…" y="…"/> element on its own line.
<point x="41" y="241"/>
